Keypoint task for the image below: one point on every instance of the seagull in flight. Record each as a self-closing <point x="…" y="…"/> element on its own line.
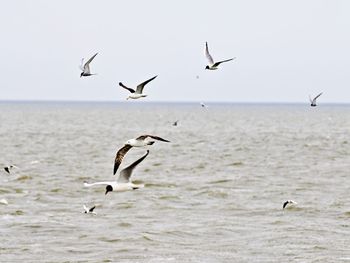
<point x="213" y="65"/>
<point x="9" y="168"/>
<point x="138" y="93"/>
<point x="123" y="182"/>
<point x="203" y="105"/>
<point x="313" y="101"/>
<point x="175" y="123"/>
<point x="138" y="142"/>
<point x="86" y="68"/>
<point x="289" y="202"/>
<point x="89" y="210"/>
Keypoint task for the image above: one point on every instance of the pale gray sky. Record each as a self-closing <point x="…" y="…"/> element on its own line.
<point x="285" y="50"/>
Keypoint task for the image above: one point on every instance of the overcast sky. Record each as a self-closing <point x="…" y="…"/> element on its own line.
<point x="285" y="50"/>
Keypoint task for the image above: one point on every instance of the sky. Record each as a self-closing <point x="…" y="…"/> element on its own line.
<point x="286" y="50"/>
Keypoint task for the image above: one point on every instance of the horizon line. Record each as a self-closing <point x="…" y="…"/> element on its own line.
<point x="161" y="101"/>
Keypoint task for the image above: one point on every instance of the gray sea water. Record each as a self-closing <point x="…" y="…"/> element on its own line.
<point x="214" y="194"/>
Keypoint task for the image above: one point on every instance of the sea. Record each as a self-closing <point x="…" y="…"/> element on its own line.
<point x="214" y="193"/>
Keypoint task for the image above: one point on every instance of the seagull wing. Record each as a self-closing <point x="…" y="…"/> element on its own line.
<point x="92" y="209"/>
<point x="125" y="174"/>
<point x="310" y="99"/>
<point x="7" y="169"/>
<point x="317" y="96"/>
<point x="207" y="54"/>
<point x="125" y="87"/>
<point x="143" y="137"/>
<point x="85" y="208"/>
<point x="119" y="156"/>
<point x="218" y="63"/>
<point x="86" y="65"/>
<point x="81" y="66"/>
<point x="285" y="204"/>
<point x="140" y="87"/>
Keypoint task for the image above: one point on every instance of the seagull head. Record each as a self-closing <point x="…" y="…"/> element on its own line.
<point x="128" y="142"/>
<point x="109" y="188"/>
<point x="206" y="67"/>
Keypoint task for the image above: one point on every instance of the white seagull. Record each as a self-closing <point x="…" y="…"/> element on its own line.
<point x="138" y="93"/>
<point x="86" y="68"/>
<point x="313" y="101"/>
<point x="123" y="182"/>
<point x="213" y="65"/>
<point x="289" y="202"/>
<point x="138" y="142"/>
<point x="89" y="210"/>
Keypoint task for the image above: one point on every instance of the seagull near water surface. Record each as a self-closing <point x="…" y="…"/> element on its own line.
<point x="136" y="94"/>
<point x="313" y="101"/>
<point x="138" y="142"/>
<point x="89" y="210"/>
<point x="86" y="67"/>
<point x="123" y="183"/>
<point x="289" y="202"/>
<point x="213" y="65"/>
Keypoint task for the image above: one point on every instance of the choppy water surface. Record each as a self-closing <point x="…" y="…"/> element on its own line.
<point x="214" y="194"/>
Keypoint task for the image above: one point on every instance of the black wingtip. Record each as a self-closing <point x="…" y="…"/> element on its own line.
<point x="285" y="204"/>
<point x="7" y="169"/>
<point x="115" y="169"/>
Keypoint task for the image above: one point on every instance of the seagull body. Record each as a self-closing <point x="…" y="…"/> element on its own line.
<point x="136" y="94"/>
<point x="89" y="210"/>
<point x="213" y="65"/>
<point x="138" y="142"/>
<point x="313" y="101"/>
<point x="123" y="182"/>
<point x="86" y="68"/>
<point x="289" y="202"/>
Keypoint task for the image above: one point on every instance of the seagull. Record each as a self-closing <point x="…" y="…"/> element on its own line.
<point x="175" y="123"/>
<point x="213" y="65"/>
<point x="313" y="101"/>
<point x="86" y="68"/>
<point x="289" y="202"/>
<point x="89" y="210"/>
<point x="138" y="142"/>
<point x="9" y="168"/>
<point x="123" y="182"/>
<point x="138" y="93"/>
<point x="203" y="105"/>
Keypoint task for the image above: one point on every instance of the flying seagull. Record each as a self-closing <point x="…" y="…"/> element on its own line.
<point x="123" y="182"/>
<point x="213" y="65"/>
<point x="138" y="93"/>
<point x="9" y="168"/>
<point x="289" y="202"/>
<point x="89" y="210"/>
<point x="203" y="105"/>
<point x="86" y="68"/>
<point x="313" y="101"/>
<point x="175" y="123"/>
<point x="138" y="142"/>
